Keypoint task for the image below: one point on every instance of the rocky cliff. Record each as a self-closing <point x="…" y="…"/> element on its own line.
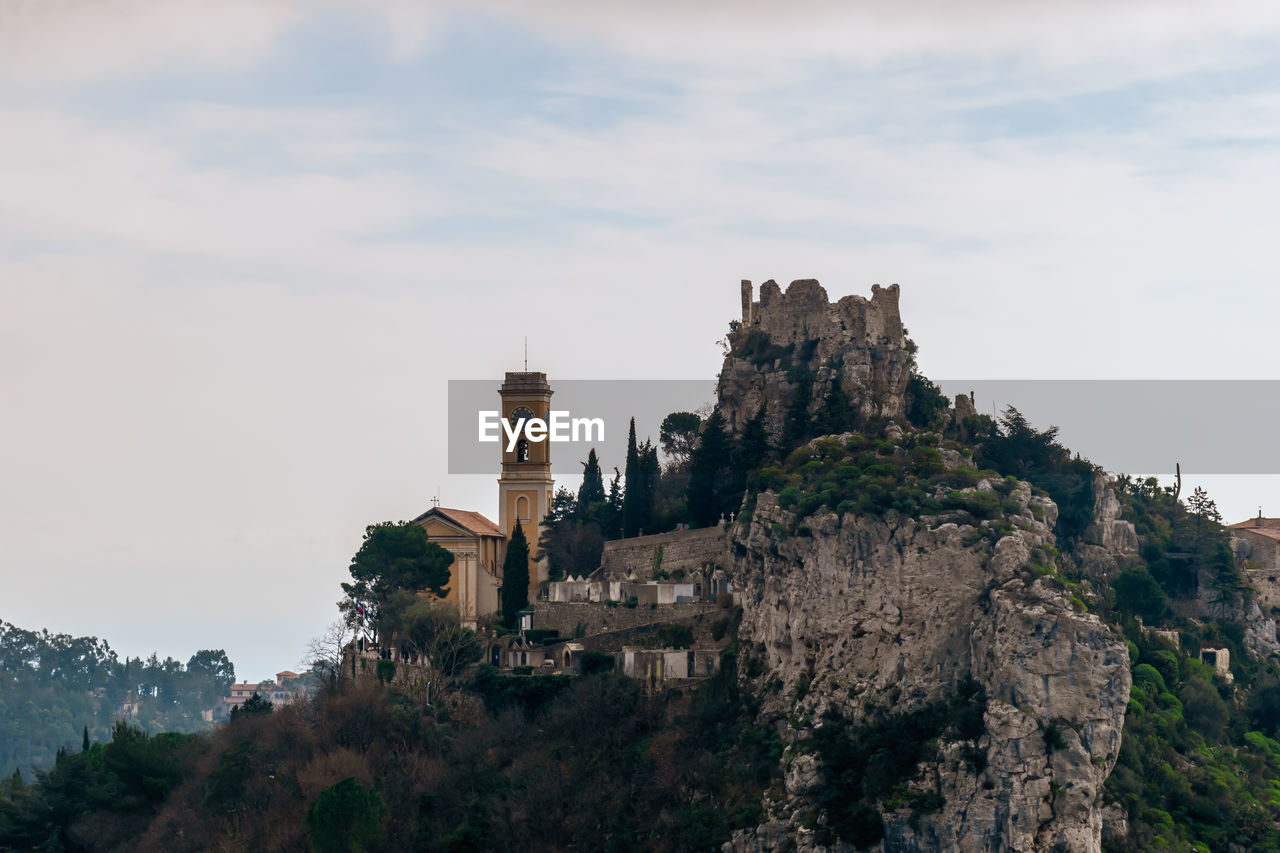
<point x="783" y="337"/>
<point x="860" y="619"/>
<point x="1109" y="538"/>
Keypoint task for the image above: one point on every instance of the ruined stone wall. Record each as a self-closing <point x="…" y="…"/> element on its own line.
<point x="857" y="341"/>
<point x="804" y="312"/>
<point x="682" y="550"/>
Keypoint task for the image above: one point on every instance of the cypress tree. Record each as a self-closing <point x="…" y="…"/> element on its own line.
<point x="592" y="490"/>
<point x="515" y="576"/>
<point x="85" y="746"/>
<point x="650" y="470"/>
<point x="631" y="497"/>
<point x="612" y="520"/>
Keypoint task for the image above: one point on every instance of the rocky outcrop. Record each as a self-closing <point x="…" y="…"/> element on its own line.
<point x="1108" y="539"/>
<point x="857" y="341"/>
<point x="853" y="614"/>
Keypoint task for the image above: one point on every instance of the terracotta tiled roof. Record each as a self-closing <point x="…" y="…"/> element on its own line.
<point x="1253" y="524"/>
<point x="472" y="521"/>
<point x="1268" y="532"/>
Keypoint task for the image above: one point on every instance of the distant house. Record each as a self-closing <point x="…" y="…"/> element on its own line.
<point x="288" y="686"/>
<point x="1257" y="547"/>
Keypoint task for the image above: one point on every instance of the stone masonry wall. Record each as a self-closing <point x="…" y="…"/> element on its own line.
<point x="1262" y="568"/>
<point x="687" y="550"/>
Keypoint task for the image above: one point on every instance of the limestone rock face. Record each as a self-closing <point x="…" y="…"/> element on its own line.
<point x="857" y="341"/>
<point x="863" y="613"/>
<point x="1108" y="536"/>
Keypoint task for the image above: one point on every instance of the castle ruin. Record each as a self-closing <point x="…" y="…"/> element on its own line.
<point x="798" y="335"/>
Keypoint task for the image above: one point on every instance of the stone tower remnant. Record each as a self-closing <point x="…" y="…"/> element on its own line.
<point x="785" y="336"/>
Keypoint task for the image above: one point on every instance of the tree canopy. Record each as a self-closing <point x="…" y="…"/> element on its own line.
<point x="60" y="689"/>
<point x="393" y="556"/>
<point x="678" y="435"/>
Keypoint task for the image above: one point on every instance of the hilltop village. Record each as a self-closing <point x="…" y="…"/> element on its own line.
<point x="658" y="604"/>
<point x="845" y="613"/>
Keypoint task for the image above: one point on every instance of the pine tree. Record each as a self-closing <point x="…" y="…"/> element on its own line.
<point x="753" y="445"/>
<point x="515" y="576"/>
<point x="564" y="506"/>
<point x="796" y="429"/>
<point x="592" y="490"/>
<point x="1204" y="507"/>
<point x="836" y="415"/>
<point x="710" y="471"/>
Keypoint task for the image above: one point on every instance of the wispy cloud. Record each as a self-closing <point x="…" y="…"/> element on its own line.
<point x="79" y="41"/>
<point x="230" y="302"/>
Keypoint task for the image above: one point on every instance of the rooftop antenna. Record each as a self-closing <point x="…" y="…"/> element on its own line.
<point x="526" y="353"/>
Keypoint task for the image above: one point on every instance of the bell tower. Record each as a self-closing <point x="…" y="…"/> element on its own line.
<point x="524" y="489"/>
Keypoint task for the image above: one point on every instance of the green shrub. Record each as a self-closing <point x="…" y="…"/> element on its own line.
<point x="347" y="818"/>
<point x="675" y="636"/>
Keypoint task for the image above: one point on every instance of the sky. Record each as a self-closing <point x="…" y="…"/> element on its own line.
<point x="245" y="245"/>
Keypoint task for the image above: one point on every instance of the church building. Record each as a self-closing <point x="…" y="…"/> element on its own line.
<point x="525" y="486"/>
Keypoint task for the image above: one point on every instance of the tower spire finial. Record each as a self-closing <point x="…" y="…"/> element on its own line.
<point x="526" y="353"/>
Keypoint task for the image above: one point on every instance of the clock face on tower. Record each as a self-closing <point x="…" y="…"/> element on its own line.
<point x="519" y="415"/>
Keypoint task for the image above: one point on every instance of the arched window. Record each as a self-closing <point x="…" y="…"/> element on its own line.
<point x="522" y="450"/>
<point x="522" y="509"/>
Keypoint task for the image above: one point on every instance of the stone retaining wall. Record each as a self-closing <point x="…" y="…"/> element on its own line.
<point x="682" y="550"/>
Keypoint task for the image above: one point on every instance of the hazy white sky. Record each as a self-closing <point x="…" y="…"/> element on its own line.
<point x="243" y="245"/>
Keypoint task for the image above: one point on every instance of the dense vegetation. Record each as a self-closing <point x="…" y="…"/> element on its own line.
<point x="525" y="762"/>
<point x="595" y="762"/>
<point x="1015" y="448"/>
<point x="1199" y="766"/>
<point x="393" y="556"/>
<point x="869" y="764"/>
<point x="874" y="477"/>
<point x="54" y="688"/>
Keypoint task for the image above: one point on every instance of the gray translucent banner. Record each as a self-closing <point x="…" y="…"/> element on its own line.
<point x="612" y="402"/>
<point x="1133" y="426"/>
